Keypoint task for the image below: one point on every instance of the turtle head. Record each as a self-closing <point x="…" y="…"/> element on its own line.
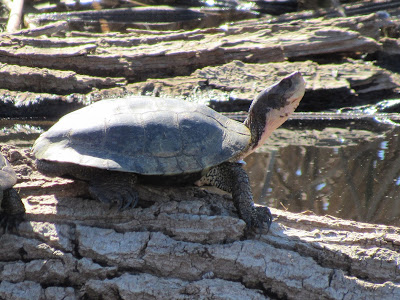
<point x="272" y="107"/>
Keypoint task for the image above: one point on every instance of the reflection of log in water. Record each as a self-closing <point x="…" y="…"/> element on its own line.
<point x="358" y="181"/>
<point x="268" y="176"/>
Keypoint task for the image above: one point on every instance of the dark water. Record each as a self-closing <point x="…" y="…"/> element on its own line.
<point x="358" y="180"/>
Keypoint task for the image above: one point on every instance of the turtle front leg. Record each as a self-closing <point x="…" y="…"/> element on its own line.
<point x="231" y="177"/>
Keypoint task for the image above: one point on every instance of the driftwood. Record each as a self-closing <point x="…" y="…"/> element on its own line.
<point x="184" y="243"/>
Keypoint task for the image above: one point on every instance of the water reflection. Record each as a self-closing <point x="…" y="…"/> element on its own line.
<point x="358" y="181"/>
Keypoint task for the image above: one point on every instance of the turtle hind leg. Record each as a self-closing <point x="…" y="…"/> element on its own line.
<point x="12" y="210"/>
<point x="115" y="187"/>
<point x="231" y="178"/>
<point x="107" y="186"/>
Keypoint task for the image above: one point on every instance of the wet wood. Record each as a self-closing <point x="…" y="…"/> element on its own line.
<point x="184" y="241"/>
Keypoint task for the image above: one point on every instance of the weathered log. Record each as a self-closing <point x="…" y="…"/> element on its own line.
<point x="347" y="84"/>
<point x="367" y="25"/>
<point x="185" y="243"/>
<point x="138" y="58"/>
<point x="53" y="81"/>
<point x="338" y="86"/>
<point x="352" y="9"/>
<point x="146" y="54"/>
<point x="136" y="62"/>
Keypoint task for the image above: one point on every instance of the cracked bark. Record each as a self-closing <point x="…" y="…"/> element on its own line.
<point x="185" y="243"/>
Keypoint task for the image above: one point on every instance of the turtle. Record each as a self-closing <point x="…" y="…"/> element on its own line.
<point x="12" y="209"/>
<point x="115" y="144"/>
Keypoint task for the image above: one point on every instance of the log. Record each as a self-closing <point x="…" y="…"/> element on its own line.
<point x="184" y="243"/>
<point x="138" y="58"/>
<point x="94" y="66"/>
<point x="337" y="86"/>
<point x="53" y="81"/>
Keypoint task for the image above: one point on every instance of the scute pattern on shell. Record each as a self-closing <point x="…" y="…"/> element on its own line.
<point x="144" y="135"/>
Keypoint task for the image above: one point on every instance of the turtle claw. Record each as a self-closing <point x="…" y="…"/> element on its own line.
<point x="259" y="216"/>
<point x="263" y="215"/>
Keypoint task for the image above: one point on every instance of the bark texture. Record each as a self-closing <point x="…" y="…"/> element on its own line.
<point x="184" y="243"/>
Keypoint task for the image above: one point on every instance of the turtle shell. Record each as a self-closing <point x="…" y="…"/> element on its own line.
<point x="7" y="175"/>
<point x="144" y="135"/>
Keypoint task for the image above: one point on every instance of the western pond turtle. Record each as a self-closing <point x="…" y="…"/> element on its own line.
<point x="116" y="143"/>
